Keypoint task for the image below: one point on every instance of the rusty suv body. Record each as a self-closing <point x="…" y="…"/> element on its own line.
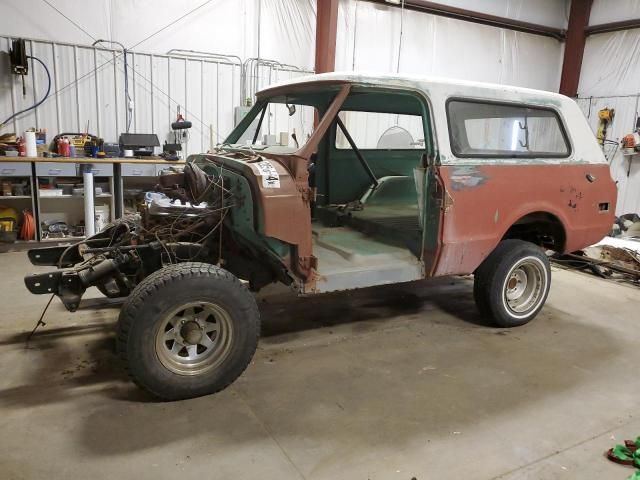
<point x="336" y="182"/>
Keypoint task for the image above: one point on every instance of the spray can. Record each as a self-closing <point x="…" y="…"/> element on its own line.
<point x="22" y="147"/>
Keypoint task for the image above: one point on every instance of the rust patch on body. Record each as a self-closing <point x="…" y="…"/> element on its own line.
<point x="575" y="195"/>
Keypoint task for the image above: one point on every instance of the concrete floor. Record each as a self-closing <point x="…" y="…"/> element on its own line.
<point x="388" y="383"/>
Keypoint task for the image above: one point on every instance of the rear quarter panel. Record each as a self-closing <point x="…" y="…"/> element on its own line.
<point x="486" y="200"/>
<point x="485" y="197"/>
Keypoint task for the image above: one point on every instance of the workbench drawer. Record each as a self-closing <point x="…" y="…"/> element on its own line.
<point x="138" y="170"/>
<point x="15" y="169"/>
<point x="98" y="169"/>
<point x="160" y="167"/>
<point x="54" y="169"/>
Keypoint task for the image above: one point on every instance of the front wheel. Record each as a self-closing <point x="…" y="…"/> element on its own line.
<point x="188" y="330"/>
<point x="512" y="283"/>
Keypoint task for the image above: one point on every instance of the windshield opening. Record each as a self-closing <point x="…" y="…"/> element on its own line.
<point x="283" y="122"/>
<point x="279" y="122"/>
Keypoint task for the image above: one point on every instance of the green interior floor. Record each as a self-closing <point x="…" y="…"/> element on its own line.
<point x="396" y="225"/>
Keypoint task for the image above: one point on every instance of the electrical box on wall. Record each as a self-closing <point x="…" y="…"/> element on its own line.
<point x="239" y="113"/>
<point x="18" y="57"/>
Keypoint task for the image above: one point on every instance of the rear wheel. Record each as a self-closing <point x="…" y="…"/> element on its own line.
<point x="512" y="284"/>
<point x="188" y="330"/>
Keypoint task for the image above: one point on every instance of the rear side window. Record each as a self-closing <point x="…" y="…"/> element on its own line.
<point x="484" y="129"/>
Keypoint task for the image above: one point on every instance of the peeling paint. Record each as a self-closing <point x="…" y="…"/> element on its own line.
<point x="464" y="177"/>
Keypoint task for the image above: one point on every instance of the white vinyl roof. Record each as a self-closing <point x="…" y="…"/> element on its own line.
<point x="426" y="83"/>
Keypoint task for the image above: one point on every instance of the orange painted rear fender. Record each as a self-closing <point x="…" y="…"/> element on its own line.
<point x="486" y="200"/>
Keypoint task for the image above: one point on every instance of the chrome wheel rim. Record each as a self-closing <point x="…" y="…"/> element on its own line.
<point x="194" y="338"/>
<point x="524" y="286"/>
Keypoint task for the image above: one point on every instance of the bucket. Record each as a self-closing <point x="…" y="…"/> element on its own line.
<point x="102" y="217"/>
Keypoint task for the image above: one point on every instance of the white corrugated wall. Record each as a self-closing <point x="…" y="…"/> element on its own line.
<point x="281" y="30"/>
<point x="208" y="92"/>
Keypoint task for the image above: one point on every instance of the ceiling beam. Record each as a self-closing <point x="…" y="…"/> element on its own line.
<point x="613" y="26"/>
<point x="326" y="31"/>
<point x="475" y="17"/>
<point x="574" y="46"/>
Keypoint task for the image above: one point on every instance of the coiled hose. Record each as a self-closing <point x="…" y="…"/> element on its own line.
<point x="28" y="229"/>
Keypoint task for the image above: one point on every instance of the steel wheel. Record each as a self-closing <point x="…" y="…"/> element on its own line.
<point x="512" y="283"/>
<point x="525" y="286"/>
<point x="194" y="338"/>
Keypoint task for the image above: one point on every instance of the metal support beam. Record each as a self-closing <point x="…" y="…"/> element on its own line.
<point x="326" y="29"/>
<point x="476" y="17"/>
<point x="574" y="46"/>
<point x="613" y="26"/>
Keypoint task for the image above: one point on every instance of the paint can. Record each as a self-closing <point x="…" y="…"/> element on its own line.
<point x="30" y="142"/>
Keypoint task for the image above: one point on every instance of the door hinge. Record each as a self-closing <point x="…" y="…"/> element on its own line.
<point x="307" y="263"/>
